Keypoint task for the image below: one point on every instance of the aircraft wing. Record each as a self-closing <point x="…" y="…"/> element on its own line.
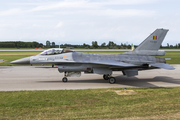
<point x="111" y="63"/>
<point x="115" y="64"/>
<point x="162" y="65"/>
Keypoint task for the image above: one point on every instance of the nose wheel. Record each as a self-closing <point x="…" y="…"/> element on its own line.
<point x="64" y="79"/>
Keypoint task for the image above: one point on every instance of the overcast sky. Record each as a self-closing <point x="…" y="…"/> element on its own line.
<point x="84" y="21"/>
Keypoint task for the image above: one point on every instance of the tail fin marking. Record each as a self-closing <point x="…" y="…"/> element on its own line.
<point x="153" y="42"/>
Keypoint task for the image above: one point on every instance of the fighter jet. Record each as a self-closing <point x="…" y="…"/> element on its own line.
<point x="73" y="63"/>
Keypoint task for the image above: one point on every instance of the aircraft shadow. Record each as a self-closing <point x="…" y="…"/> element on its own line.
<point x="45" y="67"/>
<point x="159" y="81"/>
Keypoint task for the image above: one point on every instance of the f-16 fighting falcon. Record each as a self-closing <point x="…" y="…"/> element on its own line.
<point x="73" y="63"/>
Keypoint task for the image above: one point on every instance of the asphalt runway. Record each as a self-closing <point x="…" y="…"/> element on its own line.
<point x="46" y="78"/>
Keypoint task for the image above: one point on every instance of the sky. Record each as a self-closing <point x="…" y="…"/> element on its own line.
<point x="84" y="21"/>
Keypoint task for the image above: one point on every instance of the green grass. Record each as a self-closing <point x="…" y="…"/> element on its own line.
<point x="9" y="56"/>
<point x="90" y="104"/>
<point x="18" y="49"/>
<point x="19" y="52"/>
<point x="174" y="55"/>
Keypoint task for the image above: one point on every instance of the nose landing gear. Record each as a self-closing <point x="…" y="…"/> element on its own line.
<point x="64" y="79"/>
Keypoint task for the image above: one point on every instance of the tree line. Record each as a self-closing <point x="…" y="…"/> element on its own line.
<point x="94" y="45"/>
<point x="109" y="45"/>
<point x="20" y="44"/>
<point x="171" y="46"/>
<point x="112" y="45"/>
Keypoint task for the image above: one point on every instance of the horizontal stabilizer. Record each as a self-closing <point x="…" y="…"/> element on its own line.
<point x="163" y="65"/>
<point x="167" y="58"/>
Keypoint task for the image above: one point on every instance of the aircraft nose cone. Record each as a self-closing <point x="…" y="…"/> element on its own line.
<point x="22" y="61"/>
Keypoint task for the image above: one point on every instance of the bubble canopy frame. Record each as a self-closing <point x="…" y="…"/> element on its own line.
<point x="53" y="51"/>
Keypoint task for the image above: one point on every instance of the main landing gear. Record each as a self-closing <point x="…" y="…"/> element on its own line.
<point x="112" y="80"/>
<point x="106" y="77"/>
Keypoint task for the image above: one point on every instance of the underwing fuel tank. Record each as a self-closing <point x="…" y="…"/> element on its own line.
<point x="69" y="68"/>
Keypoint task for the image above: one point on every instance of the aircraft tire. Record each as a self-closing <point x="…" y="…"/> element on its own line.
<point x="106" y="77"/>
<point x="52" y="66"/>
<point x="112" y="80"/>
<point x="64" y="79"/>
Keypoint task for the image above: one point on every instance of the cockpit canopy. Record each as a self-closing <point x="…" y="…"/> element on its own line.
<point x="54" y="51"/>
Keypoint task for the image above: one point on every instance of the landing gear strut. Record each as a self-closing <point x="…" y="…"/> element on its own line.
<point x="106" y="76"/>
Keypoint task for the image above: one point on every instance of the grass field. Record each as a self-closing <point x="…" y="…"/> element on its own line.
<point x="148" y="103"/>
<point x="9" y="56"/>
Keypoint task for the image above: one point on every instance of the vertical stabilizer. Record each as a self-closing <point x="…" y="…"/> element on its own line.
<point x="153" y="42"/>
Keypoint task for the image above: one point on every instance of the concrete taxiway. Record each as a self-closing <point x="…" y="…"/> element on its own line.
<point x="46" y="78"/>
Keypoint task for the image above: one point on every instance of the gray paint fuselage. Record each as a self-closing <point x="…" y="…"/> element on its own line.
<point x="78" y="58"/>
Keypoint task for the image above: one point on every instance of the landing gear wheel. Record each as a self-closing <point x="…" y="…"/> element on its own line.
<point x="106" y="77"/>
<point x="52" y="66"/>
<point x="112" y="80"/>
<point x="64" y="79"/>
